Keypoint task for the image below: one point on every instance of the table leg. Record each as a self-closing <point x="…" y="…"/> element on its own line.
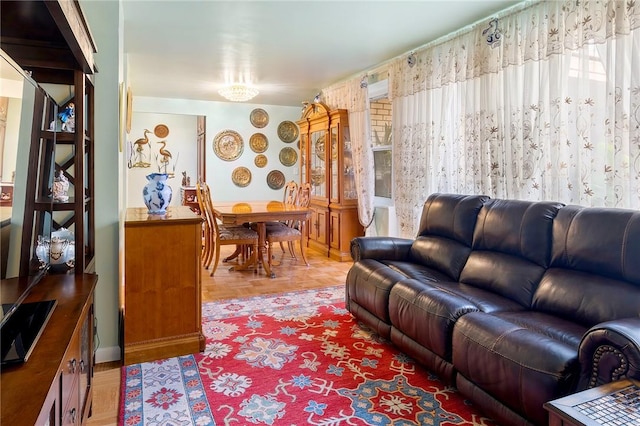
<point x="251" y="261"/>
<point x="235" y="254"/>
<point x="262" y="238"/>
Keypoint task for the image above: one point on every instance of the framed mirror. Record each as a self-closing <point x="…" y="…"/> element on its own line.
<point x="17" y="93"/>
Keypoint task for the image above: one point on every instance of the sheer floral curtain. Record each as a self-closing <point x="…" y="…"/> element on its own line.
<point x="354" y="98"/>
<point x="539" y="104"/>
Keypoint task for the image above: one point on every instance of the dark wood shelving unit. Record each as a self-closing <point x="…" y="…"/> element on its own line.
<point x="77" y="167"/>
<point x="51" y="41"/>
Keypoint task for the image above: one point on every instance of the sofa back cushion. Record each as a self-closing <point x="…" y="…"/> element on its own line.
<point x="594" y="274"/>
<point x="511" y="247"/>
<point x="446" y="232"/>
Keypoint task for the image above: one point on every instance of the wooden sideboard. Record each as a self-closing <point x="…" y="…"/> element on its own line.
<point x="160" y="298"/>
<point x="55" y="385"/>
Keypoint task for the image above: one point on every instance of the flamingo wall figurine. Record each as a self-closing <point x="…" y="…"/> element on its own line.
<point x="140" y="143"/>
<point x="164" y="152"/>
<point x="166" y="155"/>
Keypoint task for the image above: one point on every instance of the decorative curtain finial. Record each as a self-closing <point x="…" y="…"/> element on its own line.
<point x="411" y="59"/>
<point x="364" y="82"/>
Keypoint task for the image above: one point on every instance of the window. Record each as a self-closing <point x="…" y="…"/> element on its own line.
<point x="381" y="139"/>
<point x="382" y="167"/>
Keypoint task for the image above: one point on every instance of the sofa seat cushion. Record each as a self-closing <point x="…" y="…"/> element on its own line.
<point x="417" y="271"/>
<point x="527" y="358"/>
<point x="426" y="311"/>
<point x="369" y="282"/>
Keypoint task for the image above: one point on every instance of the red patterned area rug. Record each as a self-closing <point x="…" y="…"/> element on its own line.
<point x="289" y="359"/>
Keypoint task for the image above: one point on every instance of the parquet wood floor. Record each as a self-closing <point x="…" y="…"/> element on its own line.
<point x="291" y="275"/>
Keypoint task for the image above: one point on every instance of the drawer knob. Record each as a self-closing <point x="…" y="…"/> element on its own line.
<point x="72" y="366"/>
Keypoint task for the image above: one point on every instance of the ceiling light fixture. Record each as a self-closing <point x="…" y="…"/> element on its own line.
<point x="238" y="92"/>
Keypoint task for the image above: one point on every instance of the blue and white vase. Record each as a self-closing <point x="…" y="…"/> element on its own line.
<point x="156" y="193"/>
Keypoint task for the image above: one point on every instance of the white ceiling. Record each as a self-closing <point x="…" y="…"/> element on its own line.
<point x="289" y="50"/>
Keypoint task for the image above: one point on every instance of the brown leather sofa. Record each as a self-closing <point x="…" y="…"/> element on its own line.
<point x="515" y="302"/>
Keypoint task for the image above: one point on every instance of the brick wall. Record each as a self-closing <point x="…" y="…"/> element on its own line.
<point x="381" y="122"/>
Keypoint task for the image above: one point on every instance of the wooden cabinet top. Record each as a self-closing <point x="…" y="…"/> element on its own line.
<point x="139" y="216"/>
<point x="25" y="386"/>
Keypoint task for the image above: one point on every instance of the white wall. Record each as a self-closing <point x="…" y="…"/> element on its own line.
<point x="221" y="116"/>
<point x="12" y="130"/>
<point x="181" y="143"/>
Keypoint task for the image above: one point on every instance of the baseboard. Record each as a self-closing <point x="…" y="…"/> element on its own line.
<point x="108" y="354"/>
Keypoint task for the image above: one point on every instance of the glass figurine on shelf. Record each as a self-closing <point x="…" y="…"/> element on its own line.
<point x="68" y="118"/>
<point x="65" y="120"/>
<point x="60" y="188"/>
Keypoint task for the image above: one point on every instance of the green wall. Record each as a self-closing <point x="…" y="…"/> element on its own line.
<point x="104" y="20"/>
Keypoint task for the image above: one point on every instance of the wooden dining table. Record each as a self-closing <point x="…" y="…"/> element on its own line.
<point x="260" y="212"/>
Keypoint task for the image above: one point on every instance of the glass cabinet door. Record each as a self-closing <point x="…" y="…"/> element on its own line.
<point x="318" y="167"/>
<point x="303" y="158"/>
<point x="335" y="170"/>
<point x="348" y="180"/>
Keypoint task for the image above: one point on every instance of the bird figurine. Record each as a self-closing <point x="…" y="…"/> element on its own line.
<point x="142" y="141"/>
<point x="140" y="144"/>
<point x="166" y="154"/>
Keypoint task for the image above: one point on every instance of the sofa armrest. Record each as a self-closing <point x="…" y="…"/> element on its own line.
<point x="380" y="248"/>
<point x="610" y="351"/>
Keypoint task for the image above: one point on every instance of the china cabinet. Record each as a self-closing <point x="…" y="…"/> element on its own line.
<point x="327" y="164"/>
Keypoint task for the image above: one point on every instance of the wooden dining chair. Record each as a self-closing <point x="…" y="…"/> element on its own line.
<point x="290" y="231"/>
<point x="206" y="227"/>
<point x="291" y="191"/>
<point x="290" y="197"/>
<point x="221" y="235"/>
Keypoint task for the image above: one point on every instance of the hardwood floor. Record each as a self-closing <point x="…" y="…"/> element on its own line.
<point x="291" y="275"/>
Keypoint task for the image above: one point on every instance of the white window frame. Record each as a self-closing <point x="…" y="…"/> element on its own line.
<point x="380" y="90"/>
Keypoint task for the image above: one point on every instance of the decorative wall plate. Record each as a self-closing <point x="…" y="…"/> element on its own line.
<point x="161" y="131"/>
<point x="260" y="160"/>
<point x="241" y="176"/>
<point x="129" y="109"/>
<point x="275" y="179"/>
<point x="259" y="118"/>
<point x="317" y="176"/>
<point x="228" y="145"/>
<point x="258" y="142"/>
<point x="288" y="156"/>
<point x="287" y="131"/>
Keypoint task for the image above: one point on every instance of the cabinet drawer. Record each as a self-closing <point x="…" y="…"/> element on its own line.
<point x="71" y="413"/>
<point x="70" y="372"/>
